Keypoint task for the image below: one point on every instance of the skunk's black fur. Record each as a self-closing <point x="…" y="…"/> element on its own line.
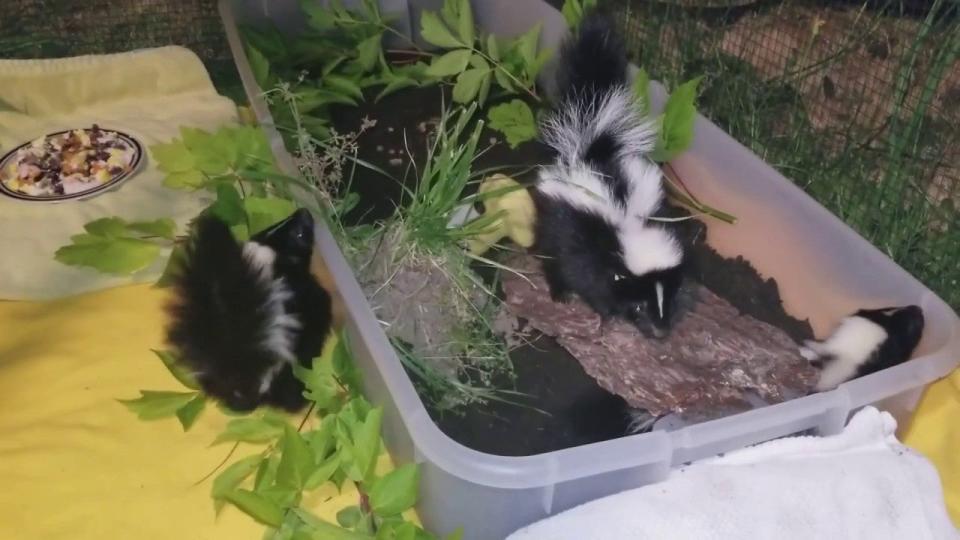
<point x="593" y="204"/>
<point x="243" y="314"/>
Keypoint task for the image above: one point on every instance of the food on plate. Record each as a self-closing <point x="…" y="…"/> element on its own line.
<point x="69" y="163"/>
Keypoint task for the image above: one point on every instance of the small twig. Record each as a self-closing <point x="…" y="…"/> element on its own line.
<point x="222" y="463"/>
<point x="303" y="422"/>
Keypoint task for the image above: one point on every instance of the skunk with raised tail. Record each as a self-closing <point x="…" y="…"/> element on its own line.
<point x="244" y="314"/>
<point x="866" y="342"/>
<point x="594" y="203"/>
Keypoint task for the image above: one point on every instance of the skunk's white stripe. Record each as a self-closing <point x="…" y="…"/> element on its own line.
<point x="573" y="128"/>
<point x="646" y="249"/>
<point x="852" y="344"/>
<point x="659" y="287"/>
<point x="260" y="257"/>
<point x="646" y="186"/>
<point x="581" y="188"/>
<point x="268" y="376"/>
<point x="278" y="336"/>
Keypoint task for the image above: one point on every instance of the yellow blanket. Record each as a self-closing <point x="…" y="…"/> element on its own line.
<point x="148" y="94"/>
<point x="934" y="431"/>
<point x="75" y="463"/>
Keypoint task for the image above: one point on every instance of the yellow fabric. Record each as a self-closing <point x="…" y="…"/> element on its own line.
<point x="74" y="463"/>
<point x="518" y="214"/>
<point x="148" y="94"/>
<point x="934" y="431"/>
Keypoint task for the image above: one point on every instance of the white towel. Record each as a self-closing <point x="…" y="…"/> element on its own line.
<point x="860" y="484"/>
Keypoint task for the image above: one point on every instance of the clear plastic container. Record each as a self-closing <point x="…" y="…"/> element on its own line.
<point x="824" y="270"/>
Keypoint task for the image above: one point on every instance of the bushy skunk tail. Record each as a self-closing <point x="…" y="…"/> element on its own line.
<point x="597" y="120"/>
<point x="228" y="316"/>
<point x="593" y="61"/>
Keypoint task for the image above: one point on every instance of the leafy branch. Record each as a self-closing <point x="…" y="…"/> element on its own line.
<point x="340" y="443"/>
<point x="674" y="136"/>
<point x="476" y="60"/>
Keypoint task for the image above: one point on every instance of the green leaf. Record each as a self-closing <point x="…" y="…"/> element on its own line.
<point x="283" y="496"/>
<point x="323" y="472"/>
<point x="172" y="156"/>
<point x="395" y="492"/>
<point x="436" y="33"/>
<point x="641" y="90"/>
<point x="344" y="85"/>
<point x="504" y="80"/>
<point x="317" y="529"/>
<point x="572" y="12"/>
<point x="229" y="205"/>
<point x="349" y="517"/>
<point x="366" y="444"/>
<point x="321" y="439"/>
<point x="108" y="227"/>
<point x="397" y="83"/>
<point x="319" y="17"/>
<point x="179" y="373"/>
<point x="493" y="49"/>
<point x="450" y="64"/>
<point x="263" y="212"/>
<point x="343" y="366"/>
<point x="122" y="256"/>
<point x="515" y="120"/>
<point x="676" y="129"/>
<point x="450" y="12"/>
<point x="527" y="45"/>
<point x="484" y="88"/>
<point x="260" y="67"/>
<point x="232" y="476"/>
<point x="189" y="413"/>
<point x="186" y="180"/>
<point x="153" y="405"/>
<point x="468" y="85"/>
<point x="465" y="23"/>
<point x="296" y="462"/>
<point x="252" y="430"/>
<point x="256" y="506"/>
<point x="368" y="51"/>
<point x="455" y="535"/>
<point x="163" y="228"/>
<point x="266" y="473"/>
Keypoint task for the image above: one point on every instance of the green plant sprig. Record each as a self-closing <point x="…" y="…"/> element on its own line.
<point x="675" y="130"/>
<point x="477" y="60"/>
<point x="342" y="445"/>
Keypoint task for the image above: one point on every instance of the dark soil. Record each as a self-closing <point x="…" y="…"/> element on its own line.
<point x="410" y="113"/>
<point x="559" y="405"/>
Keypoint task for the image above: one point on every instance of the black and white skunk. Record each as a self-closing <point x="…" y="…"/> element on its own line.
<point x="864" y="343"/>
<point x="243" y="314"/>
<point x="594" y="202"/>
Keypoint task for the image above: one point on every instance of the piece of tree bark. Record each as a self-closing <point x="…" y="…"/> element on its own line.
<point x="714" y="361"/>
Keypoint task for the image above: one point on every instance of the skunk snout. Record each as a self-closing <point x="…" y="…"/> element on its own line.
<point x="648" y="322"/>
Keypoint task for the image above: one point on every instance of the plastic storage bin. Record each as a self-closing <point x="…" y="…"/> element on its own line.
<point x="824" y="270"/>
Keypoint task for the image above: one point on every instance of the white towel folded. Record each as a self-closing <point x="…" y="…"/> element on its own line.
<point x="860" y="484"/>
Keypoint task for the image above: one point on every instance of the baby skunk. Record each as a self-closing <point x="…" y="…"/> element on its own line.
<point x="593" y="203"/>
<point x="243" y="314"/>
<point x="866" y="342"/>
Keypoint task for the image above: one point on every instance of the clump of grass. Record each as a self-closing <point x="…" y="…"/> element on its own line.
<point x="418" y="277"/>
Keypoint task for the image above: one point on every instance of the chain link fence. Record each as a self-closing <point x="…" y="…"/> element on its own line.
<point x="856" y="102"/>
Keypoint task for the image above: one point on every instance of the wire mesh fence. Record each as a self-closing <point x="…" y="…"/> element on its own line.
<point x="856" y="102"/>
<point x="58" y="28"/>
